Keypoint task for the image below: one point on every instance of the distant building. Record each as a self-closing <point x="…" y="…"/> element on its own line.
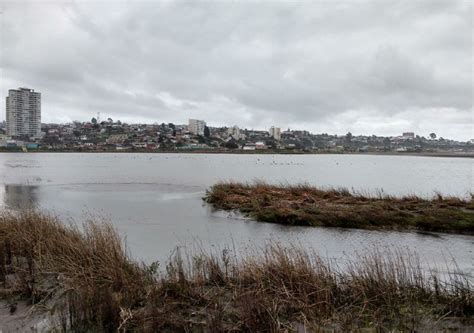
<point x="408" y="135"/>
<point x="3" y="140"/>
<point x="139" y="145"/>
<point x="260" y="145"/>
<point x="115" y="139"/>
<point x="234" y="132"/>
<point x="196" y="126"/>
<point x="31" y="145"/>
<point x="23" y="113"/>
<point x="249" y="146"/>
<point x="275" y="132"/>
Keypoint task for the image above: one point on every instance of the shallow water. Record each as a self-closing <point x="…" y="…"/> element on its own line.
<point x="155" y="199"/>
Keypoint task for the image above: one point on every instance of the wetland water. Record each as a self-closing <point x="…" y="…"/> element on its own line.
<point x="154" y="200"/>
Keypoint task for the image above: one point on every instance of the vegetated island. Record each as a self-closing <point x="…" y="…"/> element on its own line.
<point x="84" y="281"/>
<point x="305" y="205"/>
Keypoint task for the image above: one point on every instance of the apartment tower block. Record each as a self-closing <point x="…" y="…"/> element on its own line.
<point x="23" y="113"/>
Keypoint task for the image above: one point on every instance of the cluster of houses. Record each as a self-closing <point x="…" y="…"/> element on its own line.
<point x="196" y="135"/>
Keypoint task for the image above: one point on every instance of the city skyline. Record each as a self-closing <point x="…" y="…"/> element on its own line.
<point x="336" y="68"/>
<point x="195" y="126"/>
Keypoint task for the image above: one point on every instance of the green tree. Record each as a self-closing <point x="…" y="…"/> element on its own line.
<point x="231" y="144"/>
<point x="349" y="137"/>
<point x="201" y="139"/>
<point x="271" y="143"/>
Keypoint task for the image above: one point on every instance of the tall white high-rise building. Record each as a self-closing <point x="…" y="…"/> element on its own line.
<point x="23" y="107"/>
<point x="275" y="132"/>
<point x="196" y="126"/>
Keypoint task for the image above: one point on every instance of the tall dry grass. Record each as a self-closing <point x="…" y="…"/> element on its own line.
<point x="88" y="283"/>
<point x="86" y="270"/>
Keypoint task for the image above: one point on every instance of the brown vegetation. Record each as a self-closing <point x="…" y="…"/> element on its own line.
<point x="87" y="282"/>
<point x="310" y="206"/>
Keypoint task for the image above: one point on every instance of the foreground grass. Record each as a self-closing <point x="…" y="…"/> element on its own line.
<point x="309" y="206"/>
<point x="85" y="280"/>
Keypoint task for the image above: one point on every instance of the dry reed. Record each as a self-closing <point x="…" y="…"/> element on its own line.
<point x="85" y="279"/>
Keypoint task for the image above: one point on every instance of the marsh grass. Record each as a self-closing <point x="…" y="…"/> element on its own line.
<point x="310" y="206"/>
<point x="85" y="279"/>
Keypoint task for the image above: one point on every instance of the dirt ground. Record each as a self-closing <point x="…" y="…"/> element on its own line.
<point x="24" y="319"/>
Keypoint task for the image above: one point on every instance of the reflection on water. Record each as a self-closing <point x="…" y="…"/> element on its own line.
<point x="18" y="197"/>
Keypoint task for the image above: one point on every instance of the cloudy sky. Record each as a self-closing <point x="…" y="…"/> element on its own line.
<point x="378" y="67"/>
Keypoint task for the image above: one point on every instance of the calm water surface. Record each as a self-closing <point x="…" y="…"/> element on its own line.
<point x="155" y="199"/>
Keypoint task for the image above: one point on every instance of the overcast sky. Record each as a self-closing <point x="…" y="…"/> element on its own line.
<point x="380" y="67"/>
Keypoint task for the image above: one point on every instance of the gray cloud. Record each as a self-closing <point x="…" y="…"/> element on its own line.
<point x="366" y="67"/>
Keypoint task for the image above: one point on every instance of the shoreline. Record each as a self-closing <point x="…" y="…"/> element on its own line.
<point x="230" y="152"/>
